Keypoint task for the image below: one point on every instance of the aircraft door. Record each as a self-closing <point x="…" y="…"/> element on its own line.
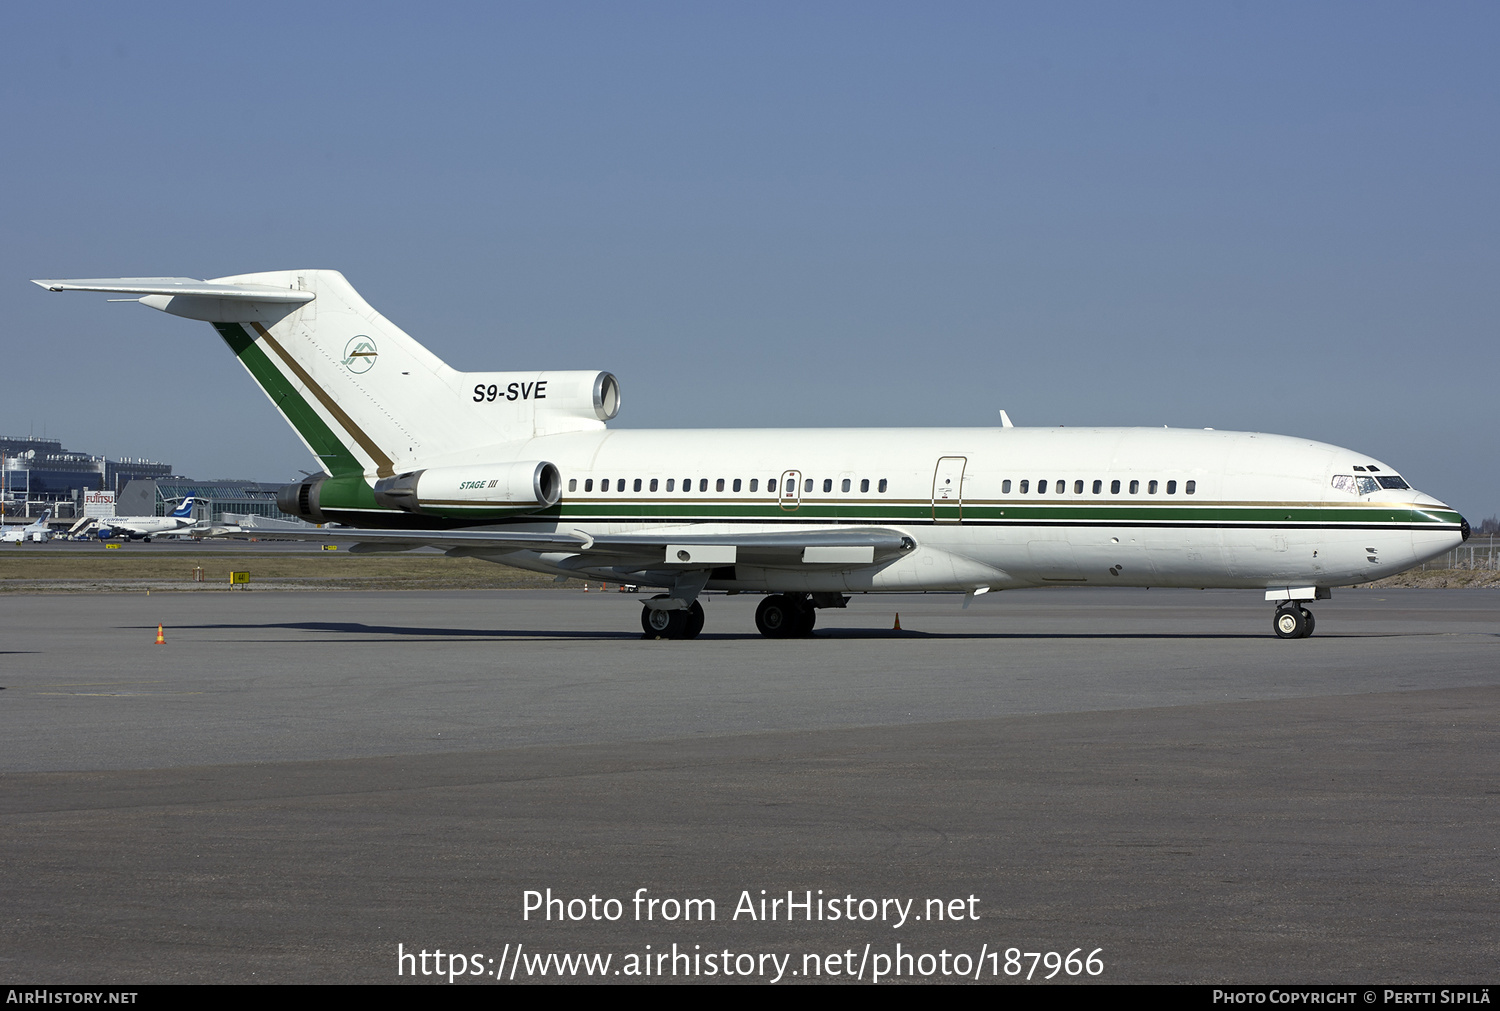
<point x="791" y="490"/>
<point x="948" y="490"/>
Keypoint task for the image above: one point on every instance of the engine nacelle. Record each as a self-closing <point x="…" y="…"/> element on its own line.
<point x="474" y="490"/>
<point x="469" y="492"/>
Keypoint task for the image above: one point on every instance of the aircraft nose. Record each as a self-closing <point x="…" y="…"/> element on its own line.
<point x="1463" y="527"/>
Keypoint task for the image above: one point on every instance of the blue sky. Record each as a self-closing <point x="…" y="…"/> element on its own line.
<point x="1273" y="217"/>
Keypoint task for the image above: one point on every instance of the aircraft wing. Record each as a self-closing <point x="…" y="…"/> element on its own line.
<point x="793" y="548"/>
<point x="669" y="548"/>
<point x="479" y="541"/>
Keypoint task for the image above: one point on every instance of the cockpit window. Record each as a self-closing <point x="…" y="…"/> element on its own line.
<point x="1359" y="484"/>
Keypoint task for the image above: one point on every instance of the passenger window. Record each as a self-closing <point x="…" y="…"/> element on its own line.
<point x="572" y="484"/>
<point x="1098" y="487"/>
<point x="1151" y="488"/>
<point x="770" y="485"/>
<point x="719" y="485"/>
<point x="687" y="485"/>
<point x="1135" y="487"/>
<point x="1077" y="487"/>
<point x="754" y="483"/>
<point x="604" y="485"/>
<point x="1005" y="487"/>
<point x="1062" y="487"/>
<point x="846" y="484"/>
<point x="1190" y="487"/>
<point x="703" y="484"/>
<point x="1025" y="487"/>
<point x="637" y="484"/>
<point x="864" y="484"/>
<point x="736" y="484"/>
<point x="807" y="485"/>
<point x="1114" y="487"/>
<point x="1041" y="487"/>
<point x="1171" y="487"/>
<point x="882" y="486"/>
<point x="827" y="485"/>
<point x="653" y="484"/>
<point x="671" y="483"/>
<point x="588" y="484"/>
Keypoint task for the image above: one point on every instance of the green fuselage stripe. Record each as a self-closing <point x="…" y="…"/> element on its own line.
<point x="1091" y="514"/>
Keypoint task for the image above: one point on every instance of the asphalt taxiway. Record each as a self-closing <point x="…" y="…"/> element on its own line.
<point x="296" y="783"/>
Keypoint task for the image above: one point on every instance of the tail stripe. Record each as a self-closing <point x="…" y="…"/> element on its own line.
<point x="307" y="422"/>
<point x="383" y="465"/>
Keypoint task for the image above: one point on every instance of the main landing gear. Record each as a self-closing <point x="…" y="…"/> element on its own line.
<point x="680" y="624"/>
<point x="1293" y="621"/>
<point x="786" y="616"/>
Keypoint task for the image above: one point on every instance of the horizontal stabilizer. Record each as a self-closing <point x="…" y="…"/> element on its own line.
<point x="180" y="286"/>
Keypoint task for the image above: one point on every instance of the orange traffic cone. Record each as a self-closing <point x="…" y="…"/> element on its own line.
<point x="897" y="626"/>
<point x="585" y="587"/>
<point x="161" y="638"/>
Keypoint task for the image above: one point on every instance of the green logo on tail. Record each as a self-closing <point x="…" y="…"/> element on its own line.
<point x="360" y="354"/>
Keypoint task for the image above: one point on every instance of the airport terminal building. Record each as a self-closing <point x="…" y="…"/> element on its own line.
<point x="39" y="474"/>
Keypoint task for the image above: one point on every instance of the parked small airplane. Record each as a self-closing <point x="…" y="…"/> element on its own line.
<point x="520" y="468"/>
<point x="179" y="520"/>
<point x="38" y="531"/>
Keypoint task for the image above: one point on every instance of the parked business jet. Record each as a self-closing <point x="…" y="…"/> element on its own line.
<point x="520" y="468"/>
<point x="39" y="532"/>
<point x="179" y="520"/>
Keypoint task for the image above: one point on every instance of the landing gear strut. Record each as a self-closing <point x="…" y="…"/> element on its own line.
<point x="786" y="616"/>
<point x="1293" y="621"/>
<point x="680" y="624"/>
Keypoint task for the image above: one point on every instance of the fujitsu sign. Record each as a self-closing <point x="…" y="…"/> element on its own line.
<point x="98" y="503"/>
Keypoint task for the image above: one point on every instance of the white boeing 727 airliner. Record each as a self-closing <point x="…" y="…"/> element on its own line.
<point x="519" y="468"/>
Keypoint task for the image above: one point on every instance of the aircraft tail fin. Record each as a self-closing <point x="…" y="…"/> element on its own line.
<point x="184" y="510"/>
<point x="365" y="397"/>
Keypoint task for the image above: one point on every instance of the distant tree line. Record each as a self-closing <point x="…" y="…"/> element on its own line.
<point x="1490" y="526"/>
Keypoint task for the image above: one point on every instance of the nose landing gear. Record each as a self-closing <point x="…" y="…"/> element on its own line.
<point x="1293" y="621"/>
